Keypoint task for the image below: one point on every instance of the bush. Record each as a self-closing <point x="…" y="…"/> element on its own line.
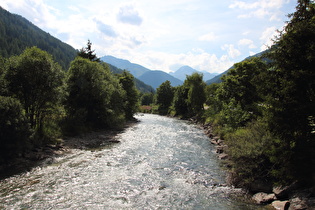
<point x="249" y="152"/>
<point x="14" y="128"/>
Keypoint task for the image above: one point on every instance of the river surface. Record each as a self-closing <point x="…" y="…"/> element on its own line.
<point x="160" y="163"/>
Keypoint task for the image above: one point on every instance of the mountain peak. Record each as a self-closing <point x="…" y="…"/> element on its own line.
<point x="183" y="71"/>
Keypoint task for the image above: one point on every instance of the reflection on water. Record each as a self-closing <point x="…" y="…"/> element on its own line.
<point x="161" y="163"/>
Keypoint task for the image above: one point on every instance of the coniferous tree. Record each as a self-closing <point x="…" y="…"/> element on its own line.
<point x="88" y="53"/>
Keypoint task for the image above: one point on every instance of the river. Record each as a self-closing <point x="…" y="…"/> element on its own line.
<point x="160" y="163"/>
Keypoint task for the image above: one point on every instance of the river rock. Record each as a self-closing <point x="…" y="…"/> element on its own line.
<point x="281" y="205"/>
<point x="223" y="156"/>
<point x="298" y="204"/>
<point x="213" y="141"/>
<point x="264" y="198"/>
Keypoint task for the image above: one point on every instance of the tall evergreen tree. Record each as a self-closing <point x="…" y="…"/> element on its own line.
<point x="88" y="53"/>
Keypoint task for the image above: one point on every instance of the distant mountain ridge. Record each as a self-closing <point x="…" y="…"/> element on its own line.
<point x="183" y="71"/>
<point x="156" y="78"/>
<point x="135" y="69"/>
<point x="140" y="85"/>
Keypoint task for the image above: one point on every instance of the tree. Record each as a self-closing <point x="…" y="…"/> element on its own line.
<point x="3" y="89"/>
<point x="147" y="98"/>
<point x="292" y="100"/>
<point x="196" y="93"/>
<point x="132" y="96"/>
<point x="180" y="101"/>
<point x="14" y="127"/>
<point x="242" y="91"/>
<point x="164" y="96"/>
<point x="95" y="97"/>
<point x="88" y="53"/>
<point x="37" y="81"/>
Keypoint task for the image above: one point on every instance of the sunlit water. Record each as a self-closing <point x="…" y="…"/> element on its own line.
<point x="161" y="163"/>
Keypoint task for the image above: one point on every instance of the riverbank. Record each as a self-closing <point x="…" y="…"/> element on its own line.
<point x="294" y="196"/>
<point x="41" y="156"/>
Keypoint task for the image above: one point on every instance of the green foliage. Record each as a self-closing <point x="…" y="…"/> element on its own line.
<point x="196" y="93"/>
<point x="147" y="99"/>
<point x="249" y="152"/>
<point x="3" y="89"/>
<point x="292" y="100"/>
<point x="180" y="105"/>
<point x="37" y="81"/>
<point x="14" y="128"/>
<point x="132" y="96"/>
<point x="17" y="34"/>
<point x="95" y="97"/>
<point x="233" y="116"/>
<point x="164" y="97"/>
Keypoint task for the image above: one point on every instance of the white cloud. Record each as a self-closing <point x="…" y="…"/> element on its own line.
<point x="208" y="37"/>
<point x="128" y="14"/>
<point x="247" y="42"/>
<point x="267" y="37"/>
<point x="260" y="8"/>
<point x="232" y="52"/>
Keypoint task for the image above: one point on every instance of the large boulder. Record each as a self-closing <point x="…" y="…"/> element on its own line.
<point x="281" y="205"/>
<point x="264" y="198"/>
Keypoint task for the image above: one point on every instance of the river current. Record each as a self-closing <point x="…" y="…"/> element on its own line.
<point x="160" y="163"/>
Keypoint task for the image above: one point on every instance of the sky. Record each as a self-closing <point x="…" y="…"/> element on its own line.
<point x="208" y="35"/>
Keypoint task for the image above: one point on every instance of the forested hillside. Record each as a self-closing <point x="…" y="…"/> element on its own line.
<point x="17" y="33"/>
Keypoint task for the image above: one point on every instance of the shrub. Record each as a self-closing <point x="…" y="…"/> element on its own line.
<point x="248" y="149"/>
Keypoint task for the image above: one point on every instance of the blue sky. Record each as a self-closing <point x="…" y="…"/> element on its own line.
<point x="207" y="35"/>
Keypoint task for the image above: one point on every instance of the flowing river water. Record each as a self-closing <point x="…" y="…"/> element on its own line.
<point x="160" y="163"/>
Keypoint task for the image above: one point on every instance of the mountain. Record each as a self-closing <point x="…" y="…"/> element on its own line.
<point x="17" y="33"/>
<point x="187" y="70"/>
<point x="156" y="78"/>
<point x="141" y="86"/>
<point x="135" y="69"/>
<point x="217" y="79"/>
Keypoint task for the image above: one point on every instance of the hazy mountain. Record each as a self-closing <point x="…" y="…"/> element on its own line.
<point x="135" y="69"/>
<point x="156" y="78"/>
<point x="187" y="70"/>
<point x="17" y="33"/>
<point x="141" y="86"/>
